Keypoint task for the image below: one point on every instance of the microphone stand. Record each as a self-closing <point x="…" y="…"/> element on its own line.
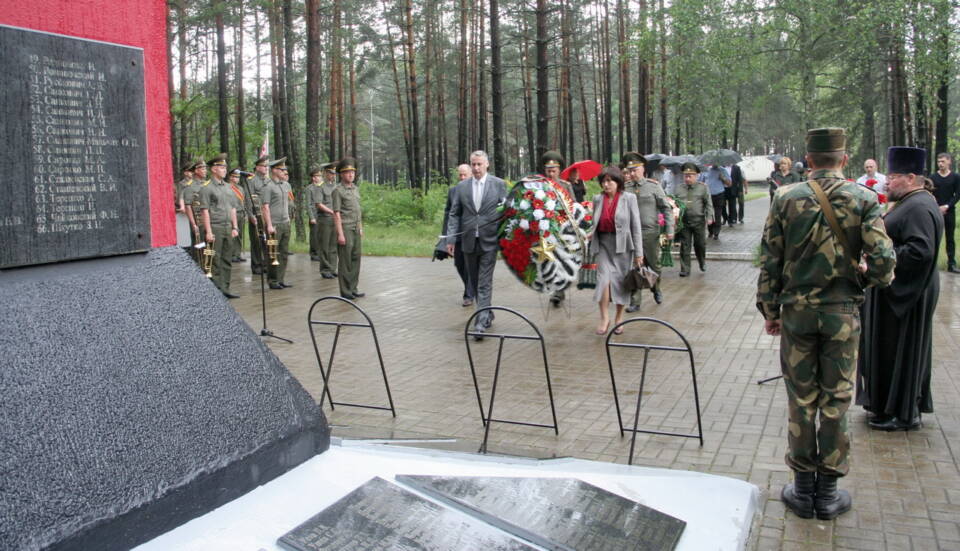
<point x="262" y="246"/>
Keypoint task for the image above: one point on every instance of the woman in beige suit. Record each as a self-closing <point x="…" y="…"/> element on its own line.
<point x="615" y="239"/>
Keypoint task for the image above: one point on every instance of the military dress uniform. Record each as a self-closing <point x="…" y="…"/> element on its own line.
<point x="277" y="194"/>
<point x="651" y="202"/>
<point x="326" y="229"/>
<point x="346" y="204"/>
<point x="807" y="282"/>
<point x="699" y="210"/>
<point x="257" y="251"/>
<point x="240" y="203"/>
<point x="189" y="193"/>
<point x="218" y="199"/>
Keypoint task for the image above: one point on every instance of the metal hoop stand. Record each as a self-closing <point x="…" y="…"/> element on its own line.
<point x="326" y="373"/>
<point x="643" y="373"/>
<point x="488" y="417"/>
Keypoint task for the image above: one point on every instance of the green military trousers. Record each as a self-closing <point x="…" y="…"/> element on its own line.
<point x="256" y="249"/>
<point x="818" y="356"/>
<point x="315" y="240"/>
<point x="226" y="247"/>
<point x="651" y="254"/>
<point x="697" y="233"/>
<point x="276" y="274"/>
<point x="327" y="235"/>
<point x="348" y="261"/>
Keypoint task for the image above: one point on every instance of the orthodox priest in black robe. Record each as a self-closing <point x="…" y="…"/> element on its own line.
<point x="896" y="340"/>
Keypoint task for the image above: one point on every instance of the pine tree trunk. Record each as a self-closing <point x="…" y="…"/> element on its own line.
<point x="499" y="155"/>
<point x="625" y="119"/>
<point x="543" y="80"/>
<point x="482" y="138"/>
<point x="182" y="46"/>
<point x="336" y="82"/>
<point x="408" y="150"/>
<point x="462" y="90"/>
<point x="526" y="80"/>
<point x="314" y="78"/>
<point x="224" y="122"/>
<point x="241" y="160"/>
<point x="417" y="179"/>
<point x="176" y="161"/>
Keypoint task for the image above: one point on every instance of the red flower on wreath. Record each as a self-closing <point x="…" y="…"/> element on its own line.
<point x="537" y="204"/>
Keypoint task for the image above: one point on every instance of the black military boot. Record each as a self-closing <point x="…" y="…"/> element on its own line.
<point x="830" y="502"/>
<point x="799" y="495"/>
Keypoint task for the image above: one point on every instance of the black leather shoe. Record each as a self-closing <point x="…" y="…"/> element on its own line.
<point x="657" y="296"/>
<point x="891" y="424"/>
<point x="231" y="295"/>
<point x="327" y="275"/>
<point x="256" y="271"/>
<point x="632" y="308"/>
<point x="479" y="337"/>
<point x="285" y="285"/>
<point x="314" y="259"/>
<point x="684" y="274"/>
<point x="358" y="294"/>
<point x="703" y="265"/>
<point x="239" y="259"/>
<point x="276" y="286"/>
<point x="799" y="496"/>
<point x="830" y="502"/>
<point x="347" y="296"/>
<point x="555" y="302"/>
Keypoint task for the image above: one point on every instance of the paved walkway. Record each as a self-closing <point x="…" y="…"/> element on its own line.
<point x="906" y="486"/>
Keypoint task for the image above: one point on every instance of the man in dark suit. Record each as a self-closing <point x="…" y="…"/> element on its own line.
<point x="473" y="218"/>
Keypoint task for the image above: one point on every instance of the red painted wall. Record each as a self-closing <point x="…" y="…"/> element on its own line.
<point x="140" y="23"/>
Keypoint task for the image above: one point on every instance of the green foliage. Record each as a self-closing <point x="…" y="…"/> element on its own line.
<point x="389" y="206"/>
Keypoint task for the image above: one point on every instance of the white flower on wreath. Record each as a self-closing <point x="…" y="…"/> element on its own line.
<point x="524" y="224"/>
<point x="550" y="204"/>
<point x="540" y="194"/>
<point x="524" y="204"/>
<point x="531" y="185"/>
<point x="538" y="213"/>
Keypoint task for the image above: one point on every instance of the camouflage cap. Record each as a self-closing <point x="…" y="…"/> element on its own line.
<point x="279" y="163"/>
<point x="218" y="160"/>
<point x="826" y="140"/>
<point x="632" y="159"/>
<point x="690" y="168"/>
<point x="346" y="164"/>
<point x="552" y="159"/>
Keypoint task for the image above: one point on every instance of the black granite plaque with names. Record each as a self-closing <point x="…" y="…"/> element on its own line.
<point x="556" y="513"/>
<point x="382" y="515"/>
<point x="73" y="138"/>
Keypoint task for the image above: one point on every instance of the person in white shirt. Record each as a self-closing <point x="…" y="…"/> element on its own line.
<point x="870" y="167"/>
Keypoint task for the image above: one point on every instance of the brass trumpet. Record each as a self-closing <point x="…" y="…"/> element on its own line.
<point x="198" y="235"/>
<point x="272" y="252"/>
<point x="209" y="252"/>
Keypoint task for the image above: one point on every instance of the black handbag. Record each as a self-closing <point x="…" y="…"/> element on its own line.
<point x="642" y="277"/>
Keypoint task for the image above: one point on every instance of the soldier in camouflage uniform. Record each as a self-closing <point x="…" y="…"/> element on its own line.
<point x="217" y="202"/>
<point x="651" y="200"/>
<point x="809" y="291"/>
<point x="257" y="183"/>
<point x="552" y="162"/>
<point x="696" y="218"/>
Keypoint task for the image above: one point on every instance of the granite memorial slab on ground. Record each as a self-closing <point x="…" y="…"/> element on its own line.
<point x="382" y="515"/>
<point x="556" y="513"/>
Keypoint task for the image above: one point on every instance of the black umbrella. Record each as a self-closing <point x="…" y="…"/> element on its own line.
<point x="677" y="160"/>
<point x="654" y="157"/>
<point x="720" y="157"/>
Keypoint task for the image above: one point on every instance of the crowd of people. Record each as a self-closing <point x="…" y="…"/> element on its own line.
<point x="848" y="269"/>
<point x="211" y="210"/>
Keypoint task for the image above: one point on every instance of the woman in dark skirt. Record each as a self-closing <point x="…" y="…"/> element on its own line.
<point x="615" y="239"/>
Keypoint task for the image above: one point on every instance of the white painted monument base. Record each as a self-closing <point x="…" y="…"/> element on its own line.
<point x="718" y="510"/>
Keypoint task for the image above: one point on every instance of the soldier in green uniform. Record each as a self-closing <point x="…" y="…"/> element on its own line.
<point x="233" y="178"/>
<point x="809" y="291"/>
<point x="276" y="197"/>
<point x="651" y="201"/>
<point x="698" y="216"/>
<point x="217" y="202"/>
<point x="186" y="177"/>
<point x="260" y="179"/>
<point x="322" y="200"/>
<point x="348" y="221"/>
<point x="552" y="162"/>
<point x="183" y="223"/>
<point x="188" y="192"/>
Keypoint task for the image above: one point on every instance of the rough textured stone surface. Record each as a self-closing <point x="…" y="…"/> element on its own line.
<point x="134" y="399"/>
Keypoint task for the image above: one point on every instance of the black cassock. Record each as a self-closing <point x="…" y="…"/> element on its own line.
<point x="896" y="340"/>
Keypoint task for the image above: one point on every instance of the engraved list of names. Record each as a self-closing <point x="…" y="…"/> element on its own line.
<point x="73" y="146"/>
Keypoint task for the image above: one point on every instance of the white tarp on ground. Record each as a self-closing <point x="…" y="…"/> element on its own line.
<point x="756" y="169"/>
<point x="718" y="510"/>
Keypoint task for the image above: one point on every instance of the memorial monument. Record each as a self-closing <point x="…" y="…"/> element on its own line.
<point x="128" y="408"/>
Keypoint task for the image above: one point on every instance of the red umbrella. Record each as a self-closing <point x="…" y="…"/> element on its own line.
<point x="588" y="170"/>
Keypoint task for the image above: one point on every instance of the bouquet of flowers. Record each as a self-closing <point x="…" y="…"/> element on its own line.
<point x="666" y="245"/>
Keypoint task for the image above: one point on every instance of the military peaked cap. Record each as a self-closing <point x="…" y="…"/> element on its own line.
<point x="633" y="159"/>
<point x="826" y="140"/>
<point x="279" y="163"/>
<point x="315" y="170"/>
<point x="347" y="163"/>
<point x="552" y="159"/>
<point x="262" y="160"/>
<point x="690" y="168"/>
<point x="218" y="160"/>
<point x="199" y="163"/>
<point x="906" y="160"/>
